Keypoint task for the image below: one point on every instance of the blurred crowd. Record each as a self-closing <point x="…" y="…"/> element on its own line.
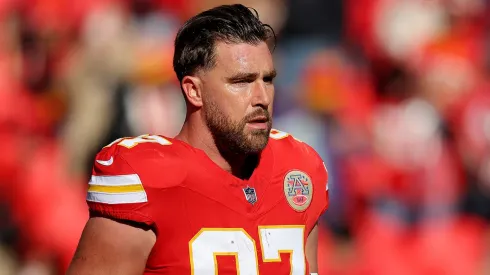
<point x="394" y="94"/>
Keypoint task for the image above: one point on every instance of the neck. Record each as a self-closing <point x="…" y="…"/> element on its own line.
<point x="195" y="133"/>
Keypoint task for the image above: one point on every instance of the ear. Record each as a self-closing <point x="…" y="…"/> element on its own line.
<point x="192" y="87"/>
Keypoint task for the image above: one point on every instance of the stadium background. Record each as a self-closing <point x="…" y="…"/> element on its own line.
<point x="394" y="94"/>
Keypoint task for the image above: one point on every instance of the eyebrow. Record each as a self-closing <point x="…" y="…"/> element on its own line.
<point x="250" y="76"/>
<point x="271" y="74"/>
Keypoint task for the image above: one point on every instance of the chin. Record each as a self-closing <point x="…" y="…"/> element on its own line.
<point x="259" y="132"/>
<point x="257" y="143"/>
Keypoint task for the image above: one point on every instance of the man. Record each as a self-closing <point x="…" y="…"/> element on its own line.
<point x="221" y="197"/>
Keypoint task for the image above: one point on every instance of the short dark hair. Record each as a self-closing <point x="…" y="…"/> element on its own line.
<point x="196" y="40"/>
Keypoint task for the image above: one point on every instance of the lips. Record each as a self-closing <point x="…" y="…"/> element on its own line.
<point x="259" y="119"/>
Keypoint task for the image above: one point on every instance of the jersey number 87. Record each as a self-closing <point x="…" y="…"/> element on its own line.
<point x="209" y="243"/>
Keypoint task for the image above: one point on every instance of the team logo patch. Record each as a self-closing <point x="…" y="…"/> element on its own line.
<point x="250" y="194"/>
<point x="298" y="189"/>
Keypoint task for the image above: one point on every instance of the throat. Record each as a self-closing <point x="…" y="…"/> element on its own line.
<point x="245" y="167"/>
<point x="239" y="165"/>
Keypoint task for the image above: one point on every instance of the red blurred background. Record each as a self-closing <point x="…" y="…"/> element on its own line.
<point x="394" y="94"/>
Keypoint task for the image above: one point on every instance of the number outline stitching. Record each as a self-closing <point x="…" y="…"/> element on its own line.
<point x="208" y="229"/>
<point x="283" y="251"/>
<point x="264" y="259"/>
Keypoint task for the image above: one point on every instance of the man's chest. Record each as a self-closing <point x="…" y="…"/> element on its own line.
<point x="249" y="229"/>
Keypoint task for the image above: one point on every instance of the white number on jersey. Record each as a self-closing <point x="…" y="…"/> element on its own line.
<point x="210" y="242"/>
<point x="276" y="134"/>
<point x="131" y="142"/>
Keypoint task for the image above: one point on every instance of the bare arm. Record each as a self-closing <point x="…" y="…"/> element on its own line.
<point x="111" y="247"/>
<point x="312" y="249"/>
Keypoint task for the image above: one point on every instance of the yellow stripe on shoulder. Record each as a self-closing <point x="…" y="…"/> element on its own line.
<point x="115" y="180"/>
<point x="116" y="189"/>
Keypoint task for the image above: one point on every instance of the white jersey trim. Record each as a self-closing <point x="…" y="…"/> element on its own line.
<point x="119" y="189"/>
<point x="123" y="198"/>
<point x="120" y="180"/>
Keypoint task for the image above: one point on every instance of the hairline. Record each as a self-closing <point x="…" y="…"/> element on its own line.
<point x="212" y="64"/>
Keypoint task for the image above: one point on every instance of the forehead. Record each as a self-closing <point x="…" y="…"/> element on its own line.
<point x="243" y="57"/>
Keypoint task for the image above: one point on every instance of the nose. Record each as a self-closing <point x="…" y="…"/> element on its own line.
<point x="262" y="94"/>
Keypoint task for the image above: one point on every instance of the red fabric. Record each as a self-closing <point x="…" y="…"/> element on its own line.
<point x="187" y="193"/>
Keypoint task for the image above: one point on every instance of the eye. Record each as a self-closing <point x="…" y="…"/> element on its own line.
<point x="242" y="81"/>
<point x="269" y="79"/>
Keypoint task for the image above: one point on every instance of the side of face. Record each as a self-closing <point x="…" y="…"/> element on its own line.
<point x="237" y="96"/>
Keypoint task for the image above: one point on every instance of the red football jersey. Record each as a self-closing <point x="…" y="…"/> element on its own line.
<point x="206" y="220"/>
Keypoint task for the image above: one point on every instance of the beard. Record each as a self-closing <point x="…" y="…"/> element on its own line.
<point x="231" y="138"/>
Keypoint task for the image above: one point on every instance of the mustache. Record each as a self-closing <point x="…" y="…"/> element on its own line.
<point x="258" y="113"/>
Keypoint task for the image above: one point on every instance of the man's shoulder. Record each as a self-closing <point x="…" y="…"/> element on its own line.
<point x="129" y="174"/>
<point x="285" y="144"/>
<point x="145" y="157"/>
<point x="292" y="154"/>
<point x="133" y="146"/>
<point x="298" y="163"/>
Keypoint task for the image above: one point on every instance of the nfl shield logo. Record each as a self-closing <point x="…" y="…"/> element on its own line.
<point x="250" y="194"/>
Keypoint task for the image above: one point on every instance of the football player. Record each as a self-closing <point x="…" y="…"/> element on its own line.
<point x="227" y="195"/>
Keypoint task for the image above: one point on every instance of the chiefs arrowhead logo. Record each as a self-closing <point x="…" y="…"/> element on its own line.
<point x="298" y="189"/>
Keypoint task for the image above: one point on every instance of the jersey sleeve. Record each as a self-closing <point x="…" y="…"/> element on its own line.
<point x="320" y="181"/>
<point x="119" y="187"/>
<point x="313" y="164"/>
